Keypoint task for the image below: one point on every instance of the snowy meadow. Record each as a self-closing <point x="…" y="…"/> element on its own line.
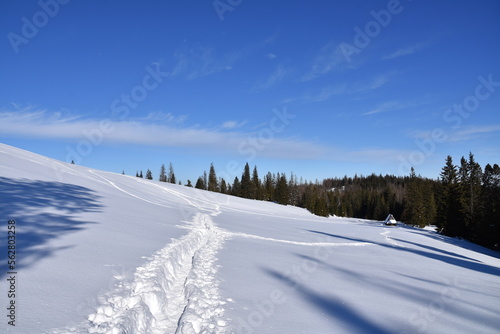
<point x="98" y="252"/>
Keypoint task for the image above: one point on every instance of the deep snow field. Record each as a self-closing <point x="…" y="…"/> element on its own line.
<point x="98" y="252"/>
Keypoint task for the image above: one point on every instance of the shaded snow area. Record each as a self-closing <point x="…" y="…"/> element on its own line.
<point x="99" y="252"/>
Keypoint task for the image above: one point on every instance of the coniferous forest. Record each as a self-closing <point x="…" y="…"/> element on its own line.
<point x="463" y="202"/>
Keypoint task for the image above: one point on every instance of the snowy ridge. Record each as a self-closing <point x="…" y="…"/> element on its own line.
<point x="175" y="292"/>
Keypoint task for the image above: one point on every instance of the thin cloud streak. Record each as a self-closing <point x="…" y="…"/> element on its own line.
<point x="233" y="124"/>
<point x="279" y="74"/>
<point x="37" y="124"/>
<point x="461" y="135"/>
<point x="472" y="132"/>
<point x="196" y="61"/>
<point x="329" y="58"/>
<point x="391" y="106"/>
<point x="406" y="51"/>
<point x="326" y="93"/>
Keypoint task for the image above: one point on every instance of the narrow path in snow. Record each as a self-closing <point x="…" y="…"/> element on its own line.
<point x="389" y="239"/>
<point x="300" y="243"/>
<point x="176" y="292"/>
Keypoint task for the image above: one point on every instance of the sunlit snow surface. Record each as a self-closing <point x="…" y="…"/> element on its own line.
<point x="106" y="253"/>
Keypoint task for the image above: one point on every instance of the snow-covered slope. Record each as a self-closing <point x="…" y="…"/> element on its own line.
<point x="98" y="252"/>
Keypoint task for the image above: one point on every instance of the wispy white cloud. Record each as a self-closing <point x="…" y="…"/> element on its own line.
<point x="279" y="74"/>
<point x="162" y="117"/>
<point x="233" y="124"/>
<point x="44" y="125"/>
<point x="379" y="81"/>
<point x="472" y="132"/>
<point x="373" y="84"/>
<point x="329" y="58"/>
<point x="459" y="135"/>
<point x="383" y="107"/>
<point x="327" y="93"/>
<point x="407" y="50"/>
<point x="271" y="56"/>
<point x="391" y="106"/>
<point x="195" y="61"/>
<point x="330" y="91"/>
<point x="324" y="94"/>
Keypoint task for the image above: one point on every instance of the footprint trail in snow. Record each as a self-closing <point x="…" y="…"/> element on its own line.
<point x="176" y="292"/>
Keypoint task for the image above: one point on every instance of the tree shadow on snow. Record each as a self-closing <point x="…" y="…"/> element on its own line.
<point x="429" y="252"/>
<point x="341" y="314"/>
<point x="43" y="211"/>
<point x="339" y="236"/>
<point x="462" y="243"/>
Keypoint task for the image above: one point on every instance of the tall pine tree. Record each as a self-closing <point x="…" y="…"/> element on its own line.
<point x="256" y="184"/>
<point x="212" y="179"/>
<point x="414" y="212"/>
<point x="490" y="223"/>
<point x="223" y="186"/>
<point x="171" y="174"/>
<point x="449" y="218"/>
<point x="470" y="175"/>
<point x="236" y="188"/>
<point x="163" y="174"/>
<point x="281" y="193"/>
<point x="269" y="187"/>
<point x="247" y="186"/>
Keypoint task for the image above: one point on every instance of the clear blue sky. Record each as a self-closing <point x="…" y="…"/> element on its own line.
<point x="320" y="88"/>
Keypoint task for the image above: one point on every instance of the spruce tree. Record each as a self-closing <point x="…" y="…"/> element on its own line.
<point x="257" y="193"/>
<point x="269" y="187"/>
<point x="489" y="231"/>
<point x="163" y="174"/>
<point x="281" y="193"/>
<point x="171" y="174"/>
<point x="381" y="209"/>
<point x="321" y="207"/>
<point x="247" y="186"/>
<point x="199" y="183"/>
<point x="448" y="208"/>
<point x="149" y="175"/>
<point x="223" y="186"/>
<point x="414" y="211"/>
<point x="470" y="183"/>
<point x="476" y="175"/>
<point x="205" y="180"/>
<point x="428" y="190"/>
<point x="212" y="179"/>
<point x="236" y="191"/>
<point x="293" y="189"/>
